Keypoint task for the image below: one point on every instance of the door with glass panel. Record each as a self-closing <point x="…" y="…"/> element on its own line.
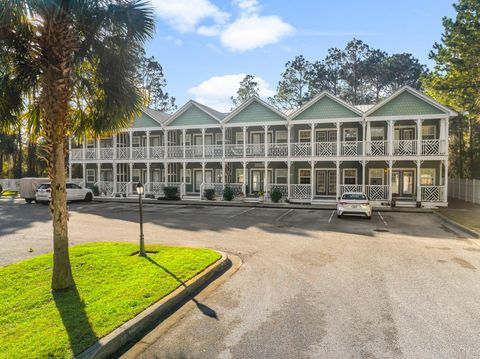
<point x="403" y="183"/>
<point x="257" y="181"/>
<point x="326" y="182"/>
<point x="326" y="142"/>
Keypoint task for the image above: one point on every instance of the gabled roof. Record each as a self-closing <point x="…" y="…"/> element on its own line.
<point x="254" y="110"/>
<point x="325" y="106"/>
<point x="409" y="102"/>
<point x="194" y="113"/>
<point x="149" y="118"/>
<point x="157" y="115"/>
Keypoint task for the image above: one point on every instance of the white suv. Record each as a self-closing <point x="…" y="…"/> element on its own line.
<point x="74" y="193"/>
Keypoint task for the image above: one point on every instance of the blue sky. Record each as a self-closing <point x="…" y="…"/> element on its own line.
<point x="206" y="46"/>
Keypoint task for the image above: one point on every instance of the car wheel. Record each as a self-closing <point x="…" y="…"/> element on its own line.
<point x="369" y="217"/>
<point x="339" y="216"/>
<point x="88" y="197"/>
<point x="28" y="200"/>
<point x="44" y="202"/>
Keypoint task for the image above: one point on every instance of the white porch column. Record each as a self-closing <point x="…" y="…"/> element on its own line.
<point x="245" y="177"/>
<point x="114" y="141"/>
<point x="130" y="133"/>
<point x="390" y="175"/>
<point x="131" y="178"/>
<point x="84" y="147"/>
<point x="148" y="144"/>
<point x="288" y="179"/>
<point x="337" y="165"/>
<point x="84" y="175"/>
<point x="165" y="173"/>
<point x="363" y="175"/>
<point x="148" y="178"/>
<point x="364" y="135"/>
<point x="265" y="179"/>
<point x="312" y="170"/>
<point x="445" y="183"/>
<point x="419" y="137"/>
<point x="265" y="140"/>
<point x="312" y="142"/>
<point x="69" y="159"/>
<point x="339" y="139"/>
<point x="203" y="142"/>
<point x="223" y="142"/>
<point x="165" y="147"/>
<point x="244" y="142"/>
<point x="289" y="130"/>
<point x="97" y="152"/>
<point x="368" y="138"/>
<point x="184" y="133"/>
<point x="184" y="171"/>
<point x="223" y="174"/>
<point x="114" y="177"/>
<point x="419" y="190"/>
<point x="203" y="179"/>
<point x="390" y="137"/>
<point x="99" y="171"/>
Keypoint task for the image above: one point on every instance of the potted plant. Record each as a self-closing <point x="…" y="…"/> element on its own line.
<point x="261" y="195"/>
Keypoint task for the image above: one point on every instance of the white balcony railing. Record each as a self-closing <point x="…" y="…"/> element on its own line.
<point x="139" y="153"/>
<point x="432" y="193"/>
<point x="405" y="147"/>
<point x="277" y="149"/>
<point x="237" y="188"/>
<point x="123" y="188"/>
<point x="301" y="149"/>
<point x="175" y="151"/>
<point x="157" y="152"/>
<point x="106" y="153"/>
<point x="350" y="188"/>
<point x="300" y="191"/>
<point x="376" y="148"/>
<point x="123" y="153"/>
<point x="377" y="192"/>
<point x="213" y="151"/>
<point x="90" y="153"/>
<point x="76" y="154"/>
<point x="234" y="150"/>
<point x="350" y="148"/>
<point x="325" y="149"/>
<point x="105" y="188"/>
<point x="283" y="188"/>
<point x="255" y="149"/>
<point x="433" y="147"/>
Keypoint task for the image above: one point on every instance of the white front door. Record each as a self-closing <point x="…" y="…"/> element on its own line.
<point x="199" y="178"/>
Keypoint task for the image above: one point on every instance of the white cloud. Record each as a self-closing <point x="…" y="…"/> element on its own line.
<point x="217" y="90"/>
<point x="185" y="15"/>
<point x="250" y="32"/>
<point x="248" y="6"/>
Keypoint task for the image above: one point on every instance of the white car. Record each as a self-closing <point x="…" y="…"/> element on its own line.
<point x="354" y="203"/>
<point x="74" y="193"/>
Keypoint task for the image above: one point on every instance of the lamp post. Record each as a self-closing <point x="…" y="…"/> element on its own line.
<point x="142" y="244"/>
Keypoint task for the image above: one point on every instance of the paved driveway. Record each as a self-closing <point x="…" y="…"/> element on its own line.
<point x="311" y="285"/>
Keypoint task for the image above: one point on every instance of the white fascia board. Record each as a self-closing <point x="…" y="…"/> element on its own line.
<point x="409" y="117"/>
<point x="318" y="98"/>
<point x="196" y="127"/>
<point x="256" y="124"/>
<point x="247" y="103"/>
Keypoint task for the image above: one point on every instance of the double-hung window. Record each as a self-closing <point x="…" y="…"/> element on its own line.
<point x="427" y="177"/>
<point x="304" y="135"/>
<point x="90" y="175"/>
<point x="350" y="176"/>
<point x="304" y="176"/>
<point x="376" y="176"/>
<point x="428" y="132"/>
<point x="281" y="175"/>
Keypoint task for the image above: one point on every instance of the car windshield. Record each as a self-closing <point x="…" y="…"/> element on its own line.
<point x="44" y="186"/>
<point x="355" y="196"/>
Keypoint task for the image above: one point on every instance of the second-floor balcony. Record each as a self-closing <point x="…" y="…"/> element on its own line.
<point x="376" y="148"/>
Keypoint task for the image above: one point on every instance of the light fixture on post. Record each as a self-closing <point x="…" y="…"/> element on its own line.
<point x="140" y="190"/>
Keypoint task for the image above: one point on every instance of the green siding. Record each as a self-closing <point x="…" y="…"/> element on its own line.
<point x="406" y="104"/>
<point x="325" y="108"/>
<point x="144" y="121"/>
<point x="194" y="116"/>
<point x="256" y="112"/>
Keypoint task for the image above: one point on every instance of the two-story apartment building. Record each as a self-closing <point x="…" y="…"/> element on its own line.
<point x="395" y="151"/>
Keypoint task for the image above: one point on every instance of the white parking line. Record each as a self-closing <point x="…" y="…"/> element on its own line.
<point x="383" y="220"/>
<point x="238" y="214"/>
<point x="331" y="216"/>
<point x="283" y="215"/>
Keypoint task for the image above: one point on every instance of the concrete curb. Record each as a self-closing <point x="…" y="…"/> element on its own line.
<point x="136" y="328"/>
<point x="457" y="225"/>
<point x="256" y="205"/>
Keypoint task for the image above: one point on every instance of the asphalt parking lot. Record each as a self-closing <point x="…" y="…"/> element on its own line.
<point x="400" y="285"/>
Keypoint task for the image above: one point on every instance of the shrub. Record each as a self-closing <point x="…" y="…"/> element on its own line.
<point x="171" y="193"/>
<point x="228" y="193"/>
<point x="209" y="194"/>
<point x="276" y="195"/>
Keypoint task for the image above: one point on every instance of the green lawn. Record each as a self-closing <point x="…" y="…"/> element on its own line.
<point x="8" y="193"/>
<point x="469" y="216"/>
<point x="112" y="287"/>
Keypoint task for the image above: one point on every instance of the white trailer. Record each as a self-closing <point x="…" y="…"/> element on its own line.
<point x="28" y="187"/>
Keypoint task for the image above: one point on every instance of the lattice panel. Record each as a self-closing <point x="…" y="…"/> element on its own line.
<point x="283" y="188"/>
<point x="301" y="149"/>
<point x="90" y="154"/>
<point x="301" y="191"/>
<point x="350" y="148"/>
<point x="378" y="148"/>
<point x="326" y="149"/>
<point x="278" y="150"/>
<point x="405" y="147"/>
<point x="122" y="187"/>
<point x="139" y="153"/>
<point x="123" y="153"/>
<point x="76" y="154"/>
<point x="377" y="193"/>
<point x="430" y="147"/>
<point x="256" y="150"/>
<point x="351" y="188"/>
<point x="156" y="152"/>
<point x="157" y="187"/>
<point x="175" y="151"/>
<point x="432" y="193"/>
<point x="106" y="153"/>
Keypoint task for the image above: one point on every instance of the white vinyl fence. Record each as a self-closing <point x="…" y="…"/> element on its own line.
<point x="10" y="184"/>
<point x="464" y="189"/>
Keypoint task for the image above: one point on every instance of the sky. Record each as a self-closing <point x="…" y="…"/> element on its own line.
<point x="207" y="46"/>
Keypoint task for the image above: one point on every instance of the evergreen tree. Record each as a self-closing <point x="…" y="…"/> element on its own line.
<point x="248" y="88"/>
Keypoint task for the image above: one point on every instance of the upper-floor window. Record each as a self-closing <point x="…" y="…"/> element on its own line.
<point x="90" y="143"/>
<point x="350" y="134"/>
<point x="281" y="136"/>
<point x="377" y="133"/>
<point x="136" y="141"/>
<point x="304" y="135"/>
<point x="90" y="175"/>
<point x="428" y="132"/>
<point x="239" y="138"/>
<point x="218" y="138"/>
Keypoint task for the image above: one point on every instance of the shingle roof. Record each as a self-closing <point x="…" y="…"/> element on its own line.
<point x="211" y="111"/>
<point x="158" y="116"/>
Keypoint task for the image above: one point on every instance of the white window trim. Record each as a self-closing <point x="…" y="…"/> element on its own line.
<point x="261" y="133"/>
<point x="136" y="141"/>
<point x="276" y="174"/>
<point x="378" y="127"/>
<point x="349" y="169"/>
<point x="188" y="174"/>
<point x="238" y="138"/>
<point x="370" y="175"/>
<point x="282" y="132"/>
<point x="350" y="128"/>
<point x="218" y="138"/>
<point x="434" y="175"/>
<point x="307" y="131"/>
<point x="89" y="174"/>
<point x="237" y="171"/>
<point x="304" y="169"/>
<point x="328" y="129"/>
<point x="434" y="130"/>
<point x="159" y="139"/>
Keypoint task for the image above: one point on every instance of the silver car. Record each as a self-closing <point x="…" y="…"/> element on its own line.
<point x="354" y="203"/>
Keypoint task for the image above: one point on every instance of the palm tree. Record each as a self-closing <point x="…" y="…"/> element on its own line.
<point x="77" y="59"/>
